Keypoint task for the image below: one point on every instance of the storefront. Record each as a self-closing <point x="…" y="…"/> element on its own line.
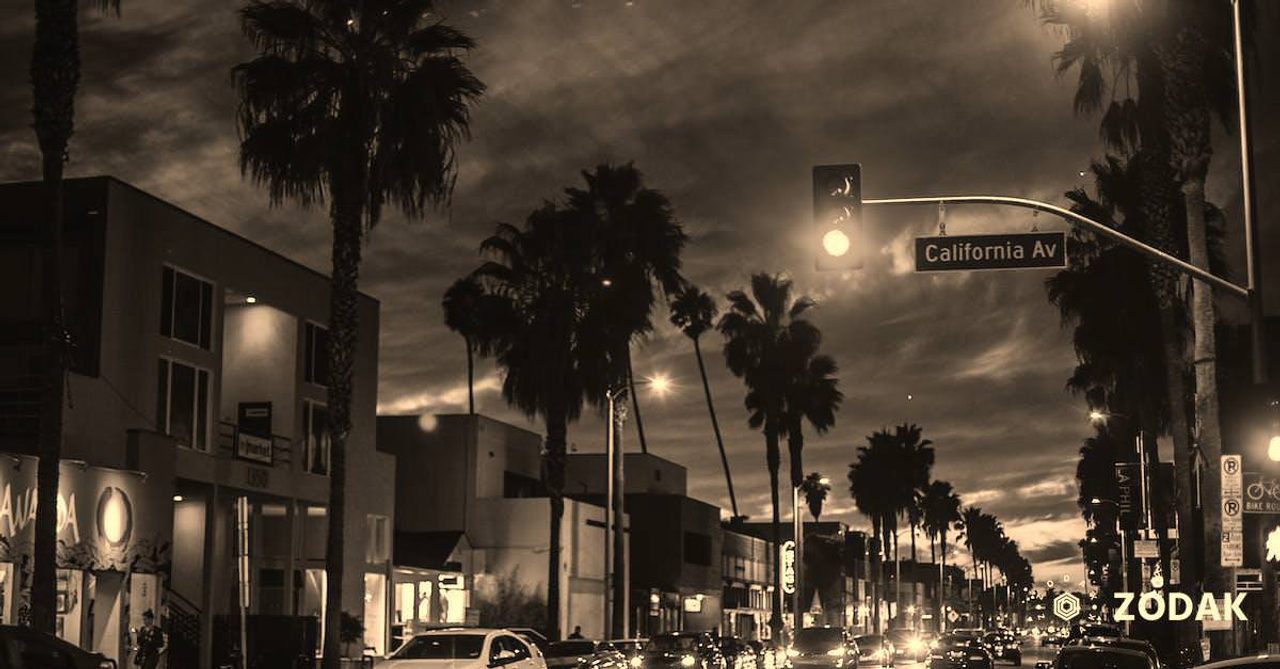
<point x="114" y="550"/>
<point x="428" y="599"/>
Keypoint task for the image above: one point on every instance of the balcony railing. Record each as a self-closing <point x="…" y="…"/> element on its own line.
<point x="232" y="443"/>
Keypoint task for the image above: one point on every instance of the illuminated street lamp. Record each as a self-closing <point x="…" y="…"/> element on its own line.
<point x="661" y="384"/>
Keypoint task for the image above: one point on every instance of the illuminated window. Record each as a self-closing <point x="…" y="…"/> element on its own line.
<point x="182" y="403"/>
<point x="315" y="365"/>
<point x="315" y="429"/>
<point x="186" y="308"/>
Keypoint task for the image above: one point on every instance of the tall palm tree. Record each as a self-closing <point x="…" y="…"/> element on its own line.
<point x="539" y="286"/>
<point x="811" y="394"/>
<point x="694" y="312"/>
<point x="875" y="491"/>
<point x="815" y="493"/>
<point x="461" y="305"/>
<point x="971" y="533"/>
<point x="55" y="78"/>
<point x="941" y="507"/>
<point x="357" y="106"/>
<point x="637" y="241"/>
<point x="758" y="329"/>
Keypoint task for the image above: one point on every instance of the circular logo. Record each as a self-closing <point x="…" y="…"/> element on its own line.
<point x="1066" y="606"/>
<point x="115" y="517"/>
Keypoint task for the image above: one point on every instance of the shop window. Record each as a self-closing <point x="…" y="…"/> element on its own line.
<point x="375" y="613"/>
<point x="315" y="420"/>
<point x="378" y="542"/>
<point x="186" y="308"/>
<point x="315" y="366"/>
<point x="697" y="548"/>
<point x="182" y="403"/>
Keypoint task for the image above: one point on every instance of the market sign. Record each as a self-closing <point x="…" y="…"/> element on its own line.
<point x="788" y="562"/>
<point x="1032" y="250"/>
<point x="1232" y="512"/>
<point x="1261" y="493"/>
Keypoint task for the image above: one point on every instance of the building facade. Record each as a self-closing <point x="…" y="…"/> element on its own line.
<point x="199" y="367"/>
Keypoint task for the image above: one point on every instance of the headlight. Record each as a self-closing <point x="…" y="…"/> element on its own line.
<point x="791" y="652"/>
<point x="687" y="661"/>
<point x="837" y="652"/>
<point x="916" y="646"/>
<point x="636" y="661"/>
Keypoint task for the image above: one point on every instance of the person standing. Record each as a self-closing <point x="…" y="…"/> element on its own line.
<point x="149" y="642"/>
<point x="577" y="632"/>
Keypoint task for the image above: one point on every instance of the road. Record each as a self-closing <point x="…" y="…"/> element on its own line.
<point x="1031" y="653"/>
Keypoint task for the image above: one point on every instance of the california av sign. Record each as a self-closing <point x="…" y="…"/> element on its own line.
<point x="1032" y="250"/>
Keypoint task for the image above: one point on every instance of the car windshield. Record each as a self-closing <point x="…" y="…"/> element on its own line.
<point x="819" y="638"/>
<point x="442" y="647"/>
<point x="673" y="643"/>
<point x="1101" y="659"/>
<point x="570" y="648"/>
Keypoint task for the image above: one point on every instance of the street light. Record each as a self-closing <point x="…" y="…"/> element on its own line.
<point x="660" y="384"/>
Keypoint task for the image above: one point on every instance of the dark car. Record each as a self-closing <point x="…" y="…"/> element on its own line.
<point x="1095" y="630"/>
<point x="909" y="644"/>
<point x="25" y="648"/>
<point x="1119" y="642"/>
<point x="1003" y="645"/>
<point x="631" y="649"/>
<point x="874" y="649"/>
<point x="767" y="655"/>
<point x="738" y="654"/>
<point x="1102" y="657"/>
<point x="583" y="654"/>
<point x="960" y="651"/>
<point x="822" y="647"/>
<point x="682" y="650"/>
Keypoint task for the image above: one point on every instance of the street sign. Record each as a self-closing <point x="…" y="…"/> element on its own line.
<point x="1146" y="548"/>
<point x="952" y="616"/>
<point x="1030" y="250"/>
<point x="1232" y="512"/>
<point x="788" y="567"/>
<point x="1248" y="580"/>
<point x="1130" y="498"/>
<point x="1261" y="493"/>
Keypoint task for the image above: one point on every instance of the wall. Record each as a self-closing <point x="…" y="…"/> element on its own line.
<point x="586" y="473"/>
<point x="259" y="364"/>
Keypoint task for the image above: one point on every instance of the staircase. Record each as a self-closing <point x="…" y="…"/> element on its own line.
<point x="184" y="632"/>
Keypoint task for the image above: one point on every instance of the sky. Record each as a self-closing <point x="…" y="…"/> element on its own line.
<point x="724" y="105"/>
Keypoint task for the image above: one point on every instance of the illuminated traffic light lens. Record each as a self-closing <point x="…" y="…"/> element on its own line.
<point x="836" y="243"/>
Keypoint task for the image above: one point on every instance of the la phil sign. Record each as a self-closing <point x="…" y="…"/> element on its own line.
<point x="1033" y="250"/>
<point x="106" y="519"/>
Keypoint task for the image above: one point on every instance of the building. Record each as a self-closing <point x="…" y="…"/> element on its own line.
<point x="747" y="570"/>
<point x="676" y="543"/>
<point x="197" y="391"/>
<point x="487" y="511"/>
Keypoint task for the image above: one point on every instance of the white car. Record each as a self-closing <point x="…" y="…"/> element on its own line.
<point x="465" y="649"/>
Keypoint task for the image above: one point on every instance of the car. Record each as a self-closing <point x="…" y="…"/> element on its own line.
<point x="960" y="651"/>
<point x="738" y="654"/>
<point x="767" y="655"/>
<point x="1118" y="642"/>
<point x="682" y="650"/>
<point x="583" y="654"/>
<point x="631" y="649"/>
<point x="1093" y="656"/>
<point x="1096" y="630"/>
<point x="822" y="647"/>
<point x="909" y="644"/>
<point x="1251" y="662"/>
<point x="25" y="648"/>
<point x="472" y="648"/>
<point x="874" y="649"/>
<point x="533" y="636"/>
<point x="1053" y="636"/>
<point x="1003" y="645"/>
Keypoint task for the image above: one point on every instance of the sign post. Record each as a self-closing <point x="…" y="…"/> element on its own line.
<point x="1232" y="512"/>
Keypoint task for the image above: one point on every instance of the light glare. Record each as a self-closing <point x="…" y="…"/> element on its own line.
<point x="1273" y="449"/>
<point x="836" y="243"/>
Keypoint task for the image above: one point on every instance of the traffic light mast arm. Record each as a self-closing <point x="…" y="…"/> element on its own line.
<point x="1079" y="220"/>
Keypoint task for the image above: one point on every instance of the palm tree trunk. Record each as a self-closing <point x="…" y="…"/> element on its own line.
<point x="715" y="427"/>
<point x="471" y="377"/>
<point x="942" y="574"/>
<point x="348" y="228"/>
<point x="795" y="448"/>
<point x="55" y="74"/>
<point x="773" y="458"/>
<point x="914" y="554"/>
<point x="635" y="402"/>
<point x="553" y="464"/>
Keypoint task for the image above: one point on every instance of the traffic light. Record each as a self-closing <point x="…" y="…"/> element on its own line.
<point x="837" y="214"/>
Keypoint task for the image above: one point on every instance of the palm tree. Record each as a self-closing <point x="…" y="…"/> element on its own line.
<point x="357" y="106"/>
<point x="971" y="532"/>
<point x="941" y="506"/>
<point x="540" y="289"/>
<point x="758" y="330"/>
<point x="461" y="314"/>
<point x="811" y="394"/>
<point x="815" y="490"/>
<point x="55" y="77"/>
<point x="637" y="241"/>
<point x="694" y="312"/>
<point x="875" y="491"/>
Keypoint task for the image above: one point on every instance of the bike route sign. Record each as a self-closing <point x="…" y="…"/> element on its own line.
<point x="1261" y="493"/>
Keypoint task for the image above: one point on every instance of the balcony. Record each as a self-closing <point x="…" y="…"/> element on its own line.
<point x="232" y="443"/>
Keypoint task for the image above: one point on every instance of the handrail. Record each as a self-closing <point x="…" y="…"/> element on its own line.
<point x="1077" y="219"/>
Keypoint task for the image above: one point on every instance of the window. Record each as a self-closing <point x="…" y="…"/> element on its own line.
<point x="315" y="368"/>
<point x="378" y="546"/>
<point x="315" y="424"/>
<point x="186" y="308"/>
<point x="697" y="548"/>
<point x="182" y="403"/>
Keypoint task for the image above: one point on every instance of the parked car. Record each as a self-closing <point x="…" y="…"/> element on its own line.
<point x="1122" y="642"/>
<point x="583" y="654"/>
<point x="874" y="649"/>
<point x="960" y="651"/>
<point x="25" y="648"/>
<point x="466" y="649"/>
<point x="1251" y="662"/>
<point x="822" y="647"/>
<point x="682" y="650"/>
<point x="738" y="654"/>
<point x="532" y="636"/>
<point x="631" y="649"/>
<point x="909" y="644"/>
<point x="1101" y="657"/>
<point x="1003" y="645"/>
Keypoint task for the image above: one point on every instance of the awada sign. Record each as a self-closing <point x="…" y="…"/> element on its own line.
<point x="108" y="519"/>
